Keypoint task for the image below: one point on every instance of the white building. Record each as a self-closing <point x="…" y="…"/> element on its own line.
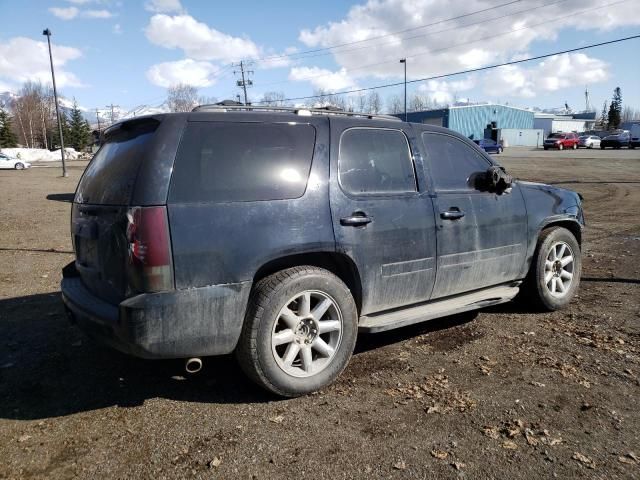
<point x="553" y="123"/>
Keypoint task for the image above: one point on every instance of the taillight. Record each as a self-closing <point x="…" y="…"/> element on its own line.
<point x="149" y="262"/>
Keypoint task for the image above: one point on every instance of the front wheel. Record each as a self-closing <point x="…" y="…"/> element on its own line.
<point x="561" y="147"/>
<point x="554" y="275"/>
<point x="19" y="166"/>
<point x="601" y="147"/>
<point x="299" y="332"/>
<point x="575" y="146"/>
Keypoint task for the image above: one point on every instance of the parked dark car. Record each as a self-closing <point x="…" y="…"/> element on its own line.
<point x="489" y="145"/>
<point x="617" y="140"/>
<point x="561" y="141"/>
<point x="279" y="235"/>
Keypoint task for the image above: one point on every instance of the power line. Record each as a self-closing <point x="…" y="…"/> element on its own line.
<point x="428" y="34"/>
<point x="444" y="49"/>
<point x="389" y="34"/>
<point x="472" y="70"/>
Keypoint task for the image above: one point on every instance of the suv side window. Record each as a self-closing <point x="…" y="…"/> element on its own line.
<point x="375" y="160"/>
<point x="242" y="162"/>
<point x="453" y="163"/>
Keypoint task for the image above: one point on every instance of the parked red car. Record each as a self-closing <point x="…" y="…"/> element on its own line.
<point x="561" y="141"/>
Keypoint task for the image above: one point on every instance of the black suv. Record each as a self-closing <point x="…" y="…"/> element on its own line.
<point x="278" y="235"/>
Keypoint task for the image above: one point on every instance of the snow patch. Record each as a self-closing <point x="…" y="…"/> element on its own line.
<point x="40" y="154"/>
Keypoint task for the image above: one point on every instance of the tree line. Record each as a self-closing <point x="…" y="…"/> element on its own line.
<point x="30" y="120"/>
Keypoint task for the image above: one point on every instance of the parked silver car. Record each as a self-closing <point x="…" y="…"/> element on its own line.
<point x="588" y="141"/>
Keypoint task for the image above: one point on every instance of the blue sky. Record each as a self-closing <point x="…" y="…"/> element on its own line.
<point x="128" y="52"/>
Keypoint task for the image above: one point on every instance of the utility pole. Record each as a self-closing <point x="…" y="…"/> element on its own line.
<point x="244" y="82"/>
<point x="47" y="33"/>
<point x="112" y="106"/>
<point x="404" y="61"/>
<point x="98" y="118"/>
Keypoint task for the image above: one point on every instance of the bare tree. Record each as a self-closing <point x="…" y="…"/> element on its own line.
<point x="374" y="102"/>
<point x="629" y="114"/>
<point x="273" y="99"/>
<point x="182" y="97"/>
<point x="395" y="104"/>
<point x="34" y="109"/>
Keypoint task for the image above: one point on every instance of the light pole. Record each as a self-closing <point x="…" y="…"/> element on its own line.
<point x="404" y="61"/>
<point x="47" y="32"/>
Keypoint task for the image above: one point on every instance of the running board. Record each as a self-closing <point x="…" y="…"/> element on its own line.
<point x="436" y="309"/>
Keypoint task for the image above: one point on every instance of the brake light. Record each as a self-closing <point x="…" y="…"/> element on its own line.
<point x="150" y="266"/>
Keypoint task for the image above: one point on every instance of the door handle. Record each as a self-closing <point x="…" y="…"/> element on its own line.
<point x="356" y="219"/>
<point x="454" y="213"/>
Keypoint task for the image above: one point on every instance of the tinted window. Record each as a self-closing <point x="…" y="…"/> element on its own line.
<point x="453" y="163"/>
<point x="110" y="176"/>
<point x="235" y="162"/>
<point x="375" y="160"/>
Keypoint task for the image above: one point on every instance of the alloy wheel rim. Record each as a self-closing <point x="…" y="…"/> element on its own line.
<point x="307" y="333"/>
<point x="559" y="269"/>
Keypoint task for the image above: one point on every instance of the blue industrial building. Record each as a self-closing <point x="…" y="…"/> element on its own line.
<point x="483" y="121"/>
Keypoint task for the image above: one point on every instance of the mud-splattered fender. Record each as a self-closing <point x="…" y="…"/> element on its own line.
<point x="547" y="205"/>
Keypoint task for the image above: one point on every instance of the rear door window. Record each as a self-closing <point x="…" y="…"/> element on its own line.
<point x="240" y="162"/>
<point x="454" y="164"/>
<point x="110" y="176"/>
<point x="375" y="160"/>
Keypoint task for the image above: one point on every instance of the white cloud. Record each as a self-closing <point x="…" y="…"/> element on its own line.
<point x="322" y="78"/>
<point x="97" y="14"/>
<point x="69" y="13"/>
<point x="117" y="29"/>
<point x="79" y="2"/>
<point x="23" y="59"/>
<point x="164" y="6"/>
<point x="453" y="45"/>
<point x="198" y="40"/>
<point x="191" y="72"/>
<point x="554" y="73"/>
<point x="66" y="13"/>
<point x="445" y="92"/>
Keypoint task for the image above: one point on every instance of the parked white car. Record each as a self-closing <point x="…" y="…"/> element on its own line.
<point x="13" y="163"/>
<point x="589" y="141"/>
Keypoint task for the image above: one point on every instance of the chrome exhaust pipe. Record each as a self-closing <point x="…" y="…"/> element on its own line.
<point x="193" y="365"/>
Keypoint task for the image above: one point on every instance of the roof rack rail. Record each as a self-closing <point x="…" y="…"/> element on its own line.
<point x="295" y="110"/>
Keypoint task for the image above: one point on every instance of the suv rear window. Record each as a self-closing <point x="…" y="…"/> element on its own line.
<point x="241" y="162"/>
<point x="110" y="176"/>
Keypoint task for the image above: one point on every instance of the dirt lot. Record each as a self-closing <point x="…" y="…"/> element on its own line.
<point x="507" y="394"/>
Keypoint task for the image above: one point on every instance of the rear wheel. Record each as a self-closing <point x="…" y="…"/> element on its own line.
<point x="601" y="147"/>
<point x="575" y="146"/>
<point x="300" y="331"/>
<point x="19" y="166"/>
<point x="561" y="147"/>
<point x="554" y="275"/>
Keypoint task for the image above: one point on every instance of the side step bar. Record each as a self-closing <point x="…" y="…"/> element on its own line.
<point x="381" y="322"/>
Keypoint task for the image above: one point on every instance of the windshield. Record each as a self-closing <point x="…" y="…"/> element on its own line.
<point x="557" y="135"/>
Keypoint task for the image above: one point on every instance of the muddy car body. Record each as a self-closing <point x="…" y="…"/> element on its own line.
<point x="280" y="234"/>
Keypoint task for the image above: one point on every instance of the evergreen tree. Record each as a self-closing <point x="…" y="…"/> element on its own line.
<point x="7" y="136"/>
<point x="79" y="130"/>
<point x="603" y="116"/>
<point x="615" y="109"/>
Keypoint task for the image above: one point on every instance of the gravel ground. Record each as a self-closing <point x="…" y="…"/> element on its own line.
<point x="506" y="393"/>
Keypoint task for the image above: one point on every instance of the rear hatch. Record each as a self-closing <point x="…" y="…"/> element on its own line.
<point x="102" y="212"/>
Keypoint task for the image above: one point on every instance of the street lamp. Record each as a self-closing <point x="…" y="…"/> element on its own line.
<point x="404" y="60"/>
<point x="47" y="33"/>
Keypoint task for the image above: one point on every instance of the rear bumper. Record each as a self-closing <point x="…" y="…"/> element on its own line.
<point x="177" y="324"/>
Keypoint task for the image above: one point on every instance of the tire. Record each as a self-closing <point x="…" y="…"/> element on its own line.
<point x="539" y="292"/>
<point x="19" y="166"/>
<point x="575" y="146"/>
<point x="601" y="147"/>
<point x="267" y="323"/>
<point x="545" y="148"/>
<point x="499" y="151"/>
<point x="561" y="147"/>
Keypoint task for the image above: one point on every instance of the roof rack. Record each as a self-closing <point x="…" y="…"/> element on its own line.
<point x="305" y="112"/>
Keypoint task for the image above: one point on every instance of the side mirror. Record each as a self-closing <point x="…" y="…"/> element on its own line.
<point x="498" y="180"/>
